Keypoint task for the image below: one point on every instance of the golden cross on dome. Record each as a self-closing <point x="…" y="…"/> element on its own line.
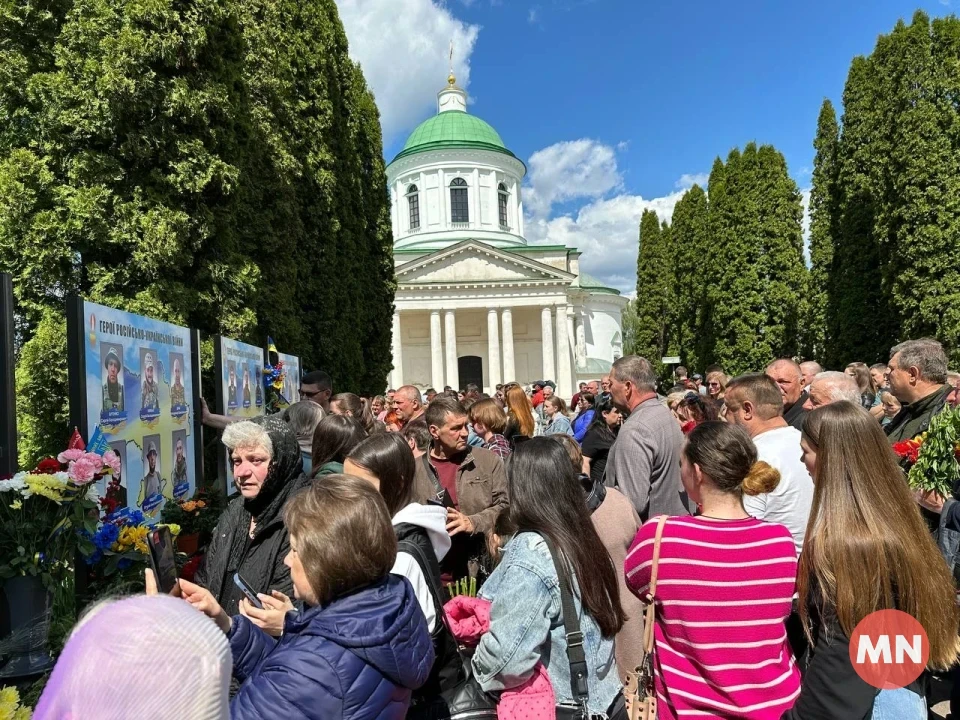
<point x="451" y="79"/>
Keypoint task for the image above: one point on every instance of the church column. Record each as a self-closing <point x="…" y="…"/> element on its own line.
<point x="564" y="375"/>
<point x="453" y="372"/>
<point x="580" y="343"/>
<point x="396" y="377"/>
<point x="509" y="367"/>
<point x="546" y="331"/>
<point x="436" y="351"/>
<point x="493" y="349"/>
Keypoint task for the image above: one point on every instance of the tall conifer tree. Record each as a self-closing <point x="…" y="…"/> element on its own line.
<point x="822" y="194"/>
<point x="220" y="168"/>
<point x="689" y="249"/>
<point x="652" y="288"/>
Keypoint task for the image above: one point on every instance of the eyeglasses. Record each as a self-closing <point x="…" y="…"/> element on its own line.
<point x="713" y="384"/>
<point x="304" y="393"/>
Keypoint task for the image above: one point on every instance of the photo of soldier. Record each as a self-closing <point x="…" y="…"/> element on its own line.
<point x="178" y="395"/>
<point x="120" y="448"/>
<point x="149" y="389"/>
<point x="181" y="483"/>
<point x="232" y="386"/>
<point x="152" y="483"/>
<point x="259" y="393"/>
<point x="113" y="402"/>
<point x="246" y="387"/>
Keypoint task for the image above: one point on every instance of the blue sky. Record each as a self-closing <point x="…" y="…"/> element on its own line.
<point x="617" y="105"/>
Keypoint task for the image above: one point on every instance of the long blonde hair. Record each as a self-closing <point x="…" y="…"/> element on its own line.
<point x="867" y="548"/>
<point x="520" y="409"/>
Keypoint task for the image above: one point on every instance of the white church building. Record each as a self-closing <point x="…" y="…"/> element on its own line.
<point x="475" y="303"/>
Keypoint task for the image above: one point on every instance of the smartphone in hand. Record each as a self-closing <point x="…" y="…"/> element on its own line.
<point x="163" y="561"/>
<point x="248" y="591"/>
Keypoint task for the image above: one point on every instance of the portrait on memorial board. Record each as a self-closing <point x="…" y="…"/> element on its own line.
<point x="178" y="394"/>
<point x="232" y="390"/>
<point x="114" y="405"/>
<point x="246" y="386"/>
<point x="259" y="393"/>
<point x="179" y="477"/>
<point x="152" y="486"/>
<point x="149" y="385"/>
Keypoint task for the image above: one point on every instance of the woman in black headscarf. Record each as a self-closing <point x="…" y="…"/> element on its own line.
<point x="250" y="538"/>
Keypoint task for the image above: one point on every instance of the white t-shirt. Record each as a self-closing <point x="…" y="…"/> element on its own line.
<point x="789" y="503"/>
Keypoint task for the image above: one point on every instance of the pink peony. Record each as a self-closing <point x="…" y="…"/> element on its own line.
<point x="112" y="461"/>
<point x="82" y="471"/>
<point x="70" y="455"/>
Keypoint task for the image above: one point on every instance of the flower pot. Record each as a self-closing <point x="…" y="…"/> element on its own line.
<point x="25" y="612"/>
<point x="188" y="544"/>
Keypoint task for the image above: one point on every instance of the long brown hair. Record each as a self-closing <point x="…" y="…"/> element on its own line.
<point x="867" y="547"/>
<point x="546" y="497"/>
<point x="520" y="409"/>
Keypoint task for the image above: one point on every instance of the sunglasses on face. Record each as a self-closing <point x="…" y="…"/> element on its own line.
<point x="304" y="393"/>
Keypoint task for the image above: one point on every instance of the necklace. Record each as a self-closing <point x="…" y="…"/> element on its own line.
<point x="714" y="517"/>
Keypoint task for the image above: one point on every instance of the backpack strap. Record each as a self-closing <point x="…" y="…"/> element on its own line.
<point x="416" y="552"/>
<point x="571" y="625"/>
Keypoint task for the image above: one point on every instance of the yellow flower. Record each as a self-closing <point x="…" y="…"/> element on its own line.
<point x="9" y="699"/>
<point x="174" y="528"/>
<point x="46" y="486"/>
<point x="22" y="713"/>
<point x="16" y="505"/>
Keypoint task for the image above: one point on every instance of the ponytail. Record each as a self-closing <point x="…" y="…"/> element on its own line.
<point x="761" y="479"/>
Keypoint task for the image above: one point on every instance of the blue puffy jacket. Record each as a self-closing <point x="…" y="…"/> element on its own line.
<point x="358" y="657"/>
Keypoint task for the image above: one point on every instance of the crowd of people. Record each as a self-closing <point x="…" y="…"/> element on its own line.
<point x="764" y="515"/>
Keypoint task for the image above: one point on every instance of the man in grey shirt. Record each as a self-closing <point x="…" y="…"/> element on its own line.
<point x="644" y="462"/>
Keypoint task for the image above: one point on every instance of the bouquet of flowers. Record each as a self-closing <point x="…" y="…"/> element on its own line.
<point x="933" y="457"/>
<point x="41" y="510"/>
<point x="116" y="550"/>
<point x="10" y="707"/>
<point x="198" y="515"/>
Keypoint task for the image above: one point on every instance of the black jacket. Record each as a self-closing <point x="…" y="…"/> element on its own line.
<point x="447" y="667"/>
<point x="259" y="560"/>
<point x="914" y="418"/>
<point x="796" y="414"/>
<point x="831" y="688"/>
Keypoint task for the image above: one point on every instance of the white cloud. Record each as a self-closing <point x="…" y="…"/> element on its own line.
<point x="568" y="170"/>
<point x="533" y="14"/>
<point x="688" y="180"/>
<point x="403" y="47"/>
<point x="606" y="227"/>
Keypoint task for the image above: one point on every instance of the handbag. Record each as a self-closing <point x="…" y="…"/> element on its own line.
<point x="576" y="656"/>
<point x="639" y="692"/>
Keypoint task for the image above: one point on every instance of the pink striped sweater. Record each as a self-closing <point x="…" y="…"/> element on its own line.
<point x="724" y="590"/>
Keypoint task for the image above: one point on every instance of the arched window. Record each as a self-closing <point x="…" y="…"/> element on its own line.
<point x="502" y="204"/>
<point x="459" y="205"/>
<point x="413" y="203"/>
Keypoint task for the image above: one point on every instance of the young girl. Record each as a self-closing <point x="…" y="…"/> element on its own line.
<point x="867" y="549"/>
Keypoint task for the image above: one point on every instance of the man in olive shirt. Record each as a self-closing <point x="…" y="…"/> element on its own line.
<point x="917" y="373"/>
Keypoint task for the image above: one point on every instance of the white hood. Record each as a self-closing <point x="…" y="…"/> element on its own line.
<point x="431" y="518"/>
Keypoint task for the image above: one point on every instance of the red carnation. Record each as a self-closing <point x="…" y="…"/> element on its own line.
<point x="909" y="449"/>
<point x="48" y="466"/>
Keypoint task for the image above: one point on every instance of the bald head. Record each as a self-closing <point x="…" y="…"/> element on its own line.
<point x="788" y="377"/>
<point x="830" y="387"/>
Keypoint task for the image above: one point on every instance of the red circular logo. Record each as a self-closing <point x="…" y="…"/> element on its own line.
<point x="889" y="649"/>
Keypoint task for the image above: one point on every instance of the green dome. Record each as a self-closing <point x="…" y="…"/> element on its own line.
<point x="453" y="129"/>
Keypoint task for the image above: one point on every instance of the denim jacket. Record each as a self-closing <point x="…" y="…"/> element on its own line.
<point x="526" y="626"/>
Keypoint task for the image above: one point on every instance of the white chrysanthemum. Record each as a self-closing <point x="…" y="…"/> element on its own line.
<point x="62" y="477"/>
<point x="16" y="483"/>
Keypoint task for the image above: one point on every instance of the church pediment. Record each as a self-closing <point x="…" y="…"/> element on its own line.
<point x="472" y="262"/>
